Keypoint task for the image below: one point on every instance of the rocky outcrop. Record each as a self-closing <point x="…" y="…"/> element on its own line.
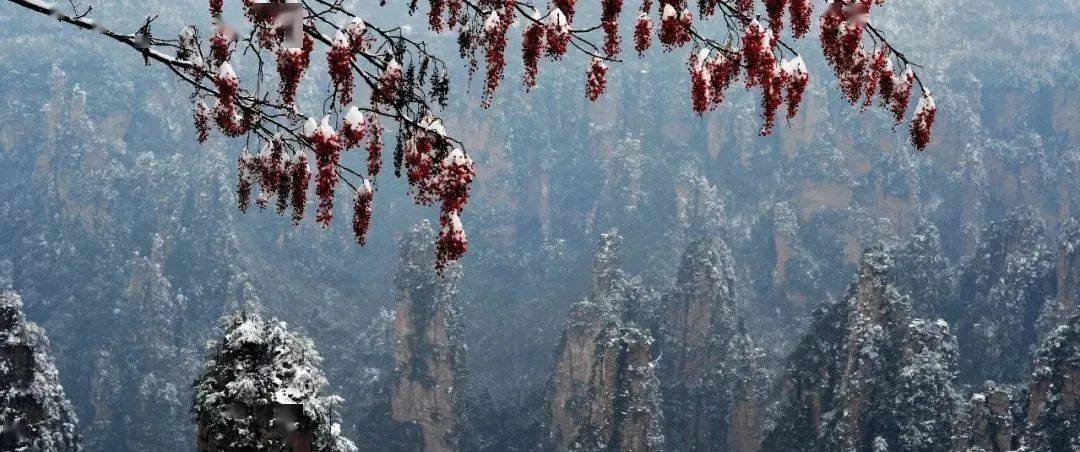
<point x="712" y="378"/>
<point x="623" y="408"/>
<point x="157" y="358"/>
<point x="988" y="421"/>
<point x="924" y="273"/>
<point x="262" y="389"/>
<point x="604" y="393"/>
<point x="34" y="412"/>
<point x="428" y="382"/>
<point x="788" y="280"/>
<point x="1006" y="283"/>
<point x="966" y="206"/>
<point x="1053" y="410"/>
<point x="1067" y="278"/>
<point x="867" y="375"/>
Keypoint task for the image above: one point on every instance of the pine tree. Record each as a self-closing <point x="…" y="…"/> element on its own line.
<point x="927" y="398"/>
<point x="261" y="388"/>
<point x="34" y="412"/>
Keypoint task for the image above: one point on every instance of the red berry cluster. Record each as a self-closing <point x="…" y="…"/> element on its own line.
<point x="674" y="26"/>
<point x="643" y="33"/>
<point x="291" y="64"/>
<point x="495" y="28"/>
<point x="863" y="76"/>
<point x="532" y="48"/>
<point x="228" y="115"/>
<point x="340" y="60"/>
<point x="362" y="212"/>
<point x="452" y="242"/>
<point x="597" y="79"/>
<point x="387" y="91"/>
<point x="609" y="21"/>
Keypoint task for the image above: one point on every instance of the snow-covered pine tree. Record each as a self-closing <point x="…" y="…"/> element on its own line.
<point x="35" y="415"/>
<point x="262" y="389"/>
<point x="1054" y="392"/>
<point x="927" y="397"/>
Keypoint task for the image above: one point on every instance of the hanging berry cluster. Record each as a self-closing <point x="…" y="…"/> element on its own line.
<point x="439" y="172"/>
<point x="754" y="43"/>
<point x="865" y="75"/>
<point x="405" y="85"/>
<point x="280" y="174"/>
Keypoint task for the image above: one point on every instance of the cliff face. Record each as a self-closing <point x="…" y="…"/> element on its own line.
<point x="867" y="375"/>
<point x="577" y="356"/>
<point x="1054" y="391"/>
<point x="1007" y="281"/>
<point x="151" y="312"/>
<point x="1067" y="277"/>
<point x="988" y="421"/>
<point x="34" y="412"/>
<point x="605" y="394"/>
<point x="428" y="380"/>
<point x="788" y="280"/>
<point x="623" y="408"/>
<point x="713" y="383"/>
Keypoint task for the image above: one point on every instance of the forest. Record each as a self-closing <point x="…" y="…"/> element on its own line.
<point x="610" y="245"/>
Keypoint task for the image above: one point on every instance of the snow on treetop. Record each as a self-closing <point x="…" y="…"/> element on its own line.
<point x="356" y="25"/>
<point x="456" y="158"/>
<point x="793" y="66"/>
<point x="247" y="333"/>
<point x="340" y="39"/>
<point x="393" y="66"/>
<point x="703" y="55"/>
<point x="433" y="124"/>
<point x="325" y="128"/>
<point x="453" y="225"/>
